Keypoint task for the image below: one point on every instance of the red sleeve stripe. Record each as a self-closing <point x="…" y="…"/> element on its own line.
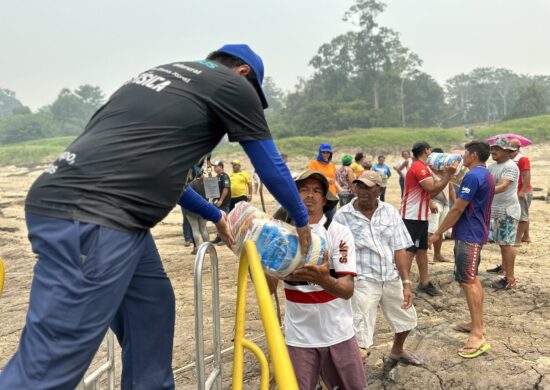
<point x="309" y="297"/>
<point x="346" y="273"/>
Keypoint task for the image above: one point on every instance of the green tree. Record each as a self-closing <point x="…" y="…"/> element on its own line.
<point x="8" y="102"/>
<point x="531" y="101"/>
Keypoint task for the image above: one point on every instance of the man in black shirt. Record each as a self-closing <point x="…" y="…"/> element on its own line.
<point x="224" y="201"/>
<point x="89" y="217"/>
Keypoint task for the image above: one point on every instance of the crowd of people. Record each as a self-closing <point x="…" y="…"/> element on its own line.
<point x="372" y="246"/>
<point x="383" y="240"/>
<point x="90" y="213"/>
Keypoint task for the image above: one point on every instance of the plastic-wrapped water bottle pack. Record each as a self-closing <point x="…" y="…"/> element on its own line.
<point x="276" y="241"/>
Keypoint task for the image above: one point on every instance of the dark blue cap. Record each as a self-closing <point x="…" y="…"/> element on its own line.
<point x="245" y="53"/>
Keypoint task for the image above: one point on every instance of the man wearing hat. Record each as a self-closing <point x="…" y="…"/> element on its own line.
<point x="381" y="240"/>
<point x="241" y="185"/>
<point x="505" y="210"/>
<point x="318" y="315"/>
<point x="90" y="213"/>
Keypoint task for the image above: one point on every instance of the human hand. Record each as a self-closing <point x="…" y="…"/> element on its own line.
<point x="408" y="296"/>
<point x="433" y="208"/>
<point x="218" y="203"/>
<point x="225" y="232"/>
<point x="451" y="169"/>
<point x="312" y="273"/>
<point x="304" y="237"/>
<point x="521" y="194"/>
<point x="433" y="238"/>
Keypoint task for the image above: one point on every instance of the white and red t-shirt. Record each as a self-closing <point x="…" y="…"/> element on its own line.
<point x="416" y="200"/>
<point x="315" y="318"/>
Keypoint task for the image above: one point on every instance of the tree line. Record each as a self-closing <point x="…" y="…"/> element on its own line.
<point x="67" y="115"/>
<point x="366" y="78"/>
<point x="363" y="78"/>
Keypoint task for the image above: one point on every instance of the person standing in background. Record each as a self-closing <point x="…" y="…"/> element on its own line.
<point x="324" y="164"/>
<point x="345" y="177"/>
<point x="241" y="185"/>
<point x="357" y="164"/>
<point x="525" y="192"/>
<point x="223" y="203"/>
<point x="385" y="172"/>
<point x="505" y="210"/>
<point x="402" y="167"/>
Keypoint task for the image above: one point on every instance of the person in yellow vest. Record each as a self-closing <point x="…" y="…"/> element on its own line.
<point x="241" y="184"/>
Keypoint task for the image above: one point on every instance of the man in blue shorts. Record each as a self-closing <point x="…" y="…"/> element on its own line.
<point x="470" y="219"/>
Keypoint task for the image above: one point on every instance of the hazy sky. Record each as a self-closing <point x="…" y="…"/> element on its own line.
<point x="48" y="45"/>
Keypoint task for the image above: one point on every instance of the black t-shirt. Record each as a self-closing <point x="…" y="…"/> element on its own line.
<point x="129" y="166"/>
<point x="225" y="182"/>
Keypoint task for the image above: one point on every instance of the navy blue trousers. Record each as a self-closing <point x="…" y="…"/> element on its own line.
<point x="89" y="278"/>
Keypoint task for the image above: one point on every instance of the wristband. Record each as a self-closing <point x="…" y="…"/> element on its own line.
<point x="406" y="281"/>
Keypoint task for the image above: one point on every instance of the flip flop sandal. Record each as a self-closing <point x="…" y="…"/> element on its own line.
<point x="474" y="352"/>
<point x="410" y="359"/>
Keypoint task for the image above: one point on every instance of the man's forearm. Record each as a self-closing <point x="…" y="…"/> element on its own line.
<point x="223" y="195"/>
<point x="402" y="263"/>
<point x="452" y="216"/>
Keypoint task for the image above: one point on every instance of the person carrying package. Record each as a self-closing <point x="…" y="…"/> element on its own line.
<point x="318" y="315"/>
<point x="89" y="217"/>
<point x="415" y="209"/>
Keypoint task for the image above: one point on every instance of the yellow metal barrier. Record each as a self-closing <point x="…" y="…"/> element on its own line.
<point x="282" y="366"/>
<point x="2" y="275"/>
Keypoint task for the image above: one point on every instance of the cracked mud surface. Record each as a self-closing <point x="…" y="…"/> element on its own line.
<point x="517" y="321"/>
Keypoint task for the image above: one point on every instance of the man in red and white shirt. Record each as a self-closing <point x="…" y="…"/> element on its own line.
<point x="318" y="315"/>
<point x="415" y="209"/>
<point x="525" y="192"/>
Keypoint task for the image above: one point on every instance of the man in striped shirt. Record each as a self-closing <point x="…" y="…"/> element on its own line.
<point x="415" y="209"/>
<point x="381" y="239"/>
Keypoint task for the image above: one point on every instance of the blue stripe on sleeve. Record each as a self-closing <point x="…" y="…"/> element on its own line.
<point x="195" y="203"/>
<point x="275" y="175"/>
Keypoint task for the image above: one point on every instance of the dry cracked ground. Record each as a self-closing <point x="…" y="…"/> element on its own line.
<point x="517" y="321"/>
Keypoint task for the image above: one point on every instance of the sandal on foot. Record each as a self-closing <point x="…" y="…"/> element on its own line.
<point x="408" y="358"/>
<point x="472" y="352"/>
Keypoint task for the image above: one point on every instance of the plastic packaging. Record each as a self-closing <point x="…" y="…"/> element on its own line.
<point x="276" y="241"/>
<point x="440" y="161"/>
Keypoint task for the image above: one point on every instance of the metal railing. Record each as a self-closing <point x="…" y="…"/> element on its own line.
<point x="214" y="379"/>
<point x="282" y="366"/>
<point x="92" y="381"/>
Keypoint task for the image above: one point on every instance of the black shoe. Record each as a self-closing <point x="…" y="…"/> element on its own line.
<point x="217" y="240"/>
<point x="495" y="270"/>
<point x="429" y="289"/>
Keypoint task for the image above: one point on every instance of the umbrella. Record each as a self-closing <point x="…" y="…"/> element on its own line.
<point x="523" y="141"/>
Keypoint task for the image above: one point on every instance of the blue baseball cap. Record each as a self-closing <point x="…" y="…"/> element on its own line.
<point x="245" y="53"/>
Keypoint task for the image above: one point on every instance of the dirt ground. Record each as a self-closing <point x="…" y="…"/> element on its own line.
<point x="517" y="321"/>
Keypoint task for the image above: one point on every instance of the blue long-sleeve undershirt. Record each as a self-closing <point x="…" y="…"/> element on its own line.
<point x="275" y="175"/>
<point x="190" y="200"/>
